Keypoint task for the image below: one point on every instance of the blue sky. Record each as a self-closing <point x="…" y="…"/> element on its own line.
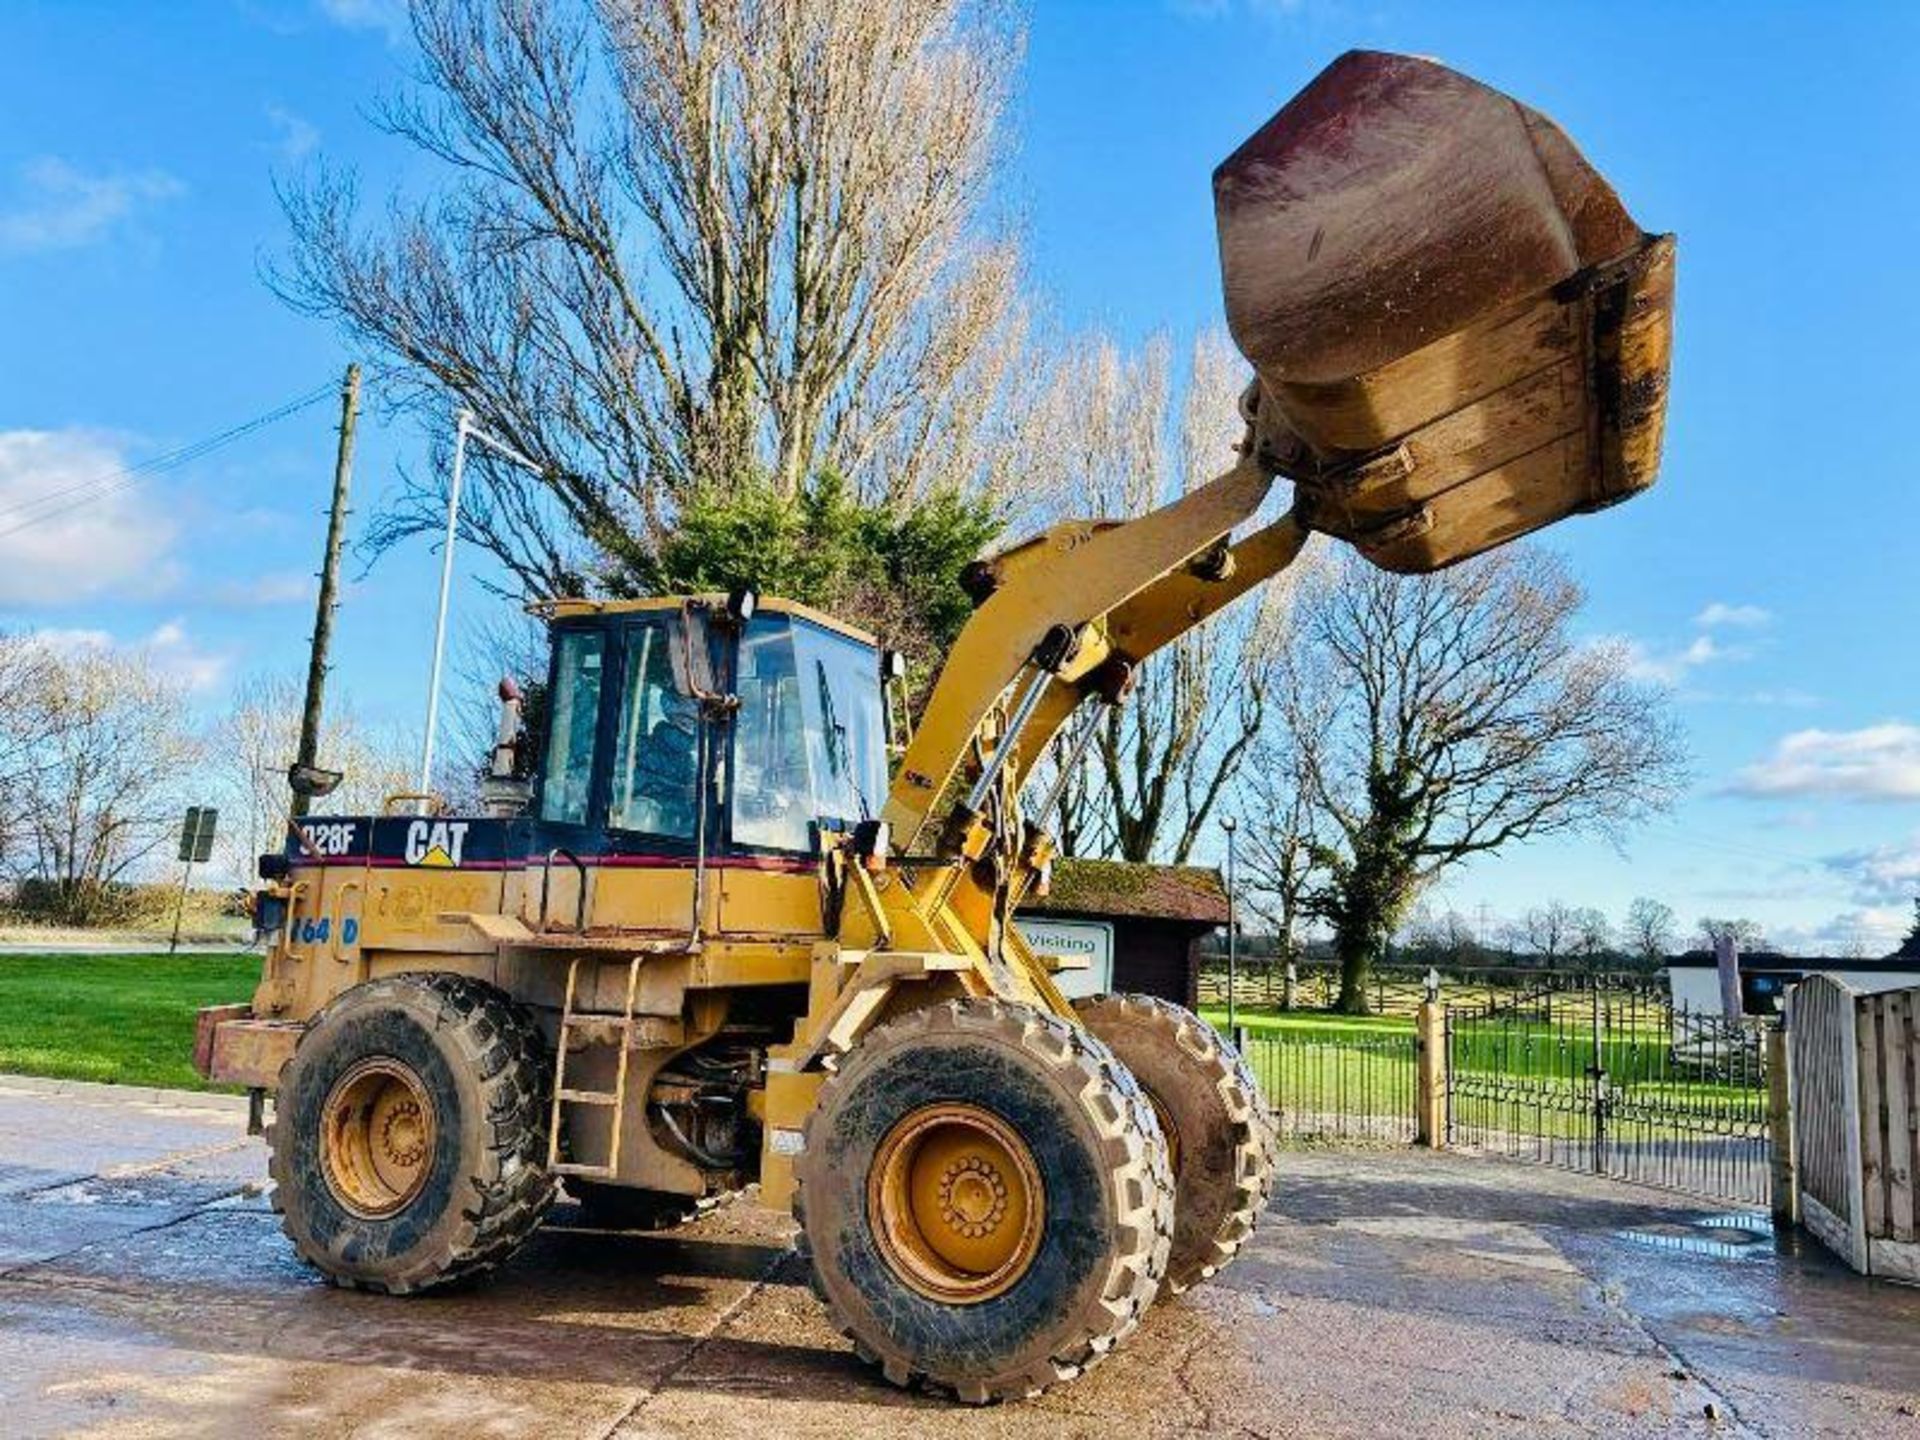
<point x="1770" y="577"/>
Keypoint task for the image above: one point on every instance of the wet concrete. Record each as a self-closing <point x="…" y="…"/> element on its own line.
<point x="145" y="1290"/>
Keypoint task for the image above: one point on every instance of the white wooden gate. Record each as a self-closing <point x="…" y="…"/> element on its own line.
<point x="1855" y="1078"/>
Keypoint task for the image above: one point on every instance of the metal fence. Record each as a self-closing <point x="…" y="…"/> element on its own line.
<point x="1345" y="1084"/>
<point x="1392" y="989"/>
<point x="1608" y="1076"/>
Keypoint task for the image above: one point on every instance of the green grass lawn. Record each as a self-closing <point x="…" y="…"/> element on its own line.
<point x="122" y="1019"/>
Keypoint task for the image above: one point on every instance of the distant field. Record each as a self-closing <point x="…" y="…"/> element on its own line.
<point x="120" y="1019"/>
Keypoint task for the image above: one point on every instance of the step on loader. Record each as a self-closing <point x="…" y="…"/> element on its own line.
<point x="724" y="924"/>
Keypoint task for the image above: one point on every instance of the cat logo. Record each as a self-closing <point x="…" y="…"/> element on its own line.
<point x="436" y="844"/>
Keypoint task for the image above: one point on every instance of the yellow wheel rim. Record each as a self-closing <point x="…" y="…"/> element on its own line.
<point x="376" y="1138"/>
<point x="956" y="1203"/>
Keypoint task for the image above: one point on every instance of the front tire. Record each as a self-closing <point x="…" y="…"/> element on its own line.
<point x="409" y="1141"/>
<point x="985" y="1197"/>
<point x="1218" y="1126"/>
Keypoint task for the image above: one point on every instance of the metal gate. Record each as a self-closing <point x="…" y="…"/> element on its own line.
<point x="1607" y="1076"/>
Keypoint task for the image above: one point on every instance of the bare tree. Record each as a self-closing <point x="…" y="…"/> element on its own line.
<point x="27" y="674"/>
<point x="1592" y="933"/>
<point x="254" y="742"/>
<point x="686" y="244"/>
<point x="1161" y="765"/>
<point x="112" y="761"/>
<point x="1280" y="841"/>
<point x="1452" y="715"/>
<point x="1546" y="931"/>
<point x="1747" y="934"/>
<point x="1458" y="942"/>
<point x="1650" y="930"/>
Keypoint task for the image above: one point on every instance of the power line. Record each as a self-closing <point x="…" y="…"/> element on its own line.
<point x="55" y="503"/>
<point x="1741" y="849"/>
<point x="173" y="458"/>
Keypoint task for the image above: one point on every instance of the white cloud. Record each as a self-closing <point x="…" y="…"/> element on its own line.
<point x="53" y="550"/>
<point x="1720" y="615"/>
<point x="277" y="587"/>
<point x="294" y="136"/>
<point x="175" y="655"/>
<point x="169" y="648"/>
<point x="72" y="642"/>
<point x="60" y="207"/>
<point x="387" y="15"/>
<point x="1782" y="699"/>
<point x="1663" y="664"/>
<point x="1883" y="875"/>
<point x="1879" y="762"/>
<point x="1869" y="931"/>
<point x="1669" y="666"/>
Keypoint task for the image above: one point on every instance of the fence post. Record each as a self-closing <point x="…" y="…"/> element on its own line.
<point x="1430" y="1062"/>
<point x="1786" y="1188"/>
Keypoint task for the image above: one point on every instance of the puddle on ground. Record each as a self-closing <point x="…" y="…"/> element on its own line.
<point x="1746" y="1236"/>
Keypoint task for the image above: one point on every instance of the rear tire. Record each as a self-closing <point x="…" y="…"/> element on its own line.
<point x="1220" y="1130"/>
<point x="985" y="1197"/>
<point x="409" y="1142"/>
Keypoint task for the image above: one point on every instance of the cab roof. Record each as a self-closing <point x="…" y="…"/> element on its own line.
<point x="571" y="609"/>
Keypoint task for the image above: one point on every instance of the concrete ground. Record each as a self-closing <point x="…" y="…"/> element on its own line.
<point x="145" y="1290"/>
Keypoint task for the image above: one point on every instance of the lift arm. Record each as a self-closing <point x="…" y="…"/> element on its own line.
<point x="1458" y="336"/>
<point x="1067" y="580"/>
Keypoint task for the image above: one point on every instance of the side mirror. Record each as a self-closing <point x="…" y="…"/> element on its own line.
<point x="692" y="658"/>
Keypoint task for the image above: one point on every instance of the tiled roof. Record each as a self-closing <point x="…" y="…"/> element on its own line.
<point x="1120" y="888"/>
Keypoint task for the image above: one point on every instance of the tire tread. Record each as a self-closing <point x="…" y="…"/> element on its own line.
<point x="1130" y="1145"/>
<point x="512" y="1190"/>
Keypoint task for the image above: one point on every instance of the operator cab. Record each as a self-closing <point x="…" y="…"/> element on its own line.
<point x="794" y="735"/>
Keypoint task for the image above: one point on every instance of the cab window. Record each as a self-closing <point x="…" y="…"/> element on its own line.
<point x="573" y="720"/>
<point x="655" y="788"/>
<point x="807" y="738"/>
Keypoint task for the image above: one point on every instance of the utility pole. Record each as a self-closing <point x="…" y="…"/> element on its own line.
<point x="329" y="586"/>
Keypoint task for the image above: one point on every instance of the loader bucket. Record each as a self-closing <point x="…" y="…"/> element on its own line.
<point x="1459" y="334"/>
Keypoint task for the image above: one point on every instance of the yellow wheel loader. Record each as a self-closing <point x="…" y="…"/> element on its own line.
<point x="705" y="936"/>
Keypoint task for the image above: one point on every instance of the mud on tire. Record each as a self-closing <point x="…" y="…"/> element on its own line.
<point x="481" y="1065"/>
<point x="1223" y="1136"/>
<point x="1104" y="1225"/>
